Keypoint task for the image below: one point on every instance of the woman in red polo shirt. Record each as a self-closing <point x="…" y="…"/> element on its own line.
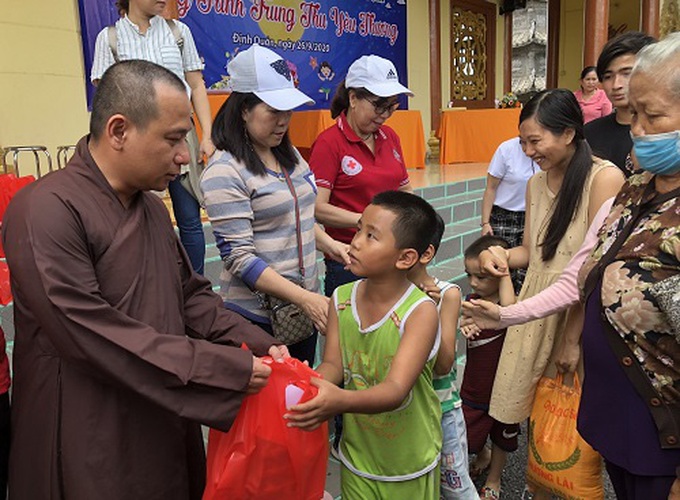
<point x="359" y="157"/>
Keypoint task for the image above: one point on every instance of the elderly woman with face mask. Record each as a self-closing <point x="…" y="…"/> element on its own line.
<point x="629" y="283"/>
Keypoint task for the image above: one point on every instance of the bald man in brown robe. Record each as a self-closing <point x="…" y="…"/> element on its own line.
<point x="121" y="351"/>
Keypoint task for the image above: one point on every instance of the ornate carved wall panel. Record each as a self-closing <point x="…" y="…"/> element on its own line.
<point x="473" y="41"/>
<point x="468" y="69"/>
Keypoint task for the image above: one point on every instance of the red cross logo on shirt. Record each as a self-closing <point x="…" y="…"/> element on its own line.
<point x="351" y="165"/>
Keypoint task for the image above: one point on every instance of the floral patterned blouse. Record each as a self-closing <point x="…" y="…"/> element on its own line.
<point x="650" y="254"/>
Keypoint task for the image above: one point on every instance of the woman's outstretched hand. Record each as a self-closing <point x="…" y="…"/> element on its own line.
<point x="482" y="314"/>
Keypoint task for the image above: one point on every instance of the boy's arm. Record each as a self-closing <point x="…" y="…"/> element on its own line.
<point x="420" y="332"/>
<point x="448" y="324"/>
<point x="497" y="261"/>
<point x="331" y="366"/>
<point x="506" y="291"/>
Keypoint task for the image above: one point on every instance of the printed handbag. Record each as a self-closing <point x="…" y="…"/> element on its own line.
<point x="289" y="324"/>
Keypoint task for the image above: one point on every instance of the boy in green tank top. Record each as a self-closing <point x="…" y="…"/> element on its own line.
<point x="382" y="341"/>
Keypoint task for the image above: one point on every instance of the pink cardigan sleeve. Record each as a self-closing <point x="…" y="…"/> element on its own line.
<point x="564" y="292"/>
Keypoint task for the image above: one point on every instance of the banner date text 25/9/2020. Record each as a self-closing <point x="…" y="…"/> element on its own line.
<point x="295" y="45"/>
<point x="307" y="46"/>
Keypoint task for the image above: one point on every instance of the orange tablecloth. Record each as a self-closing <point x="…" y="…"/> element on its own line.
<point x="473" y="135"/>
<point x="408" y="125"/>
<point x="305" y="126"/>
<point x="216" y="99"/>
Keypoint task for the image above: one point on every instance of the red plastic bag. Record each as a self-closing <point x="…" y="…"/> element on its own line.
<point x="9" y="185"/>
<point x="5" y="289"/>
<point x="260" y="457"/>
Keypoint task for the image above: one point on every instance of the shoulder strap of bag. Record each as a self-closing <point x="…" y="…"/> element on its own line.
<point x="179" y="39"/>
<point x="298" y="232"/>
<point x="113" y="38"/>
<point x="113" y="41"/>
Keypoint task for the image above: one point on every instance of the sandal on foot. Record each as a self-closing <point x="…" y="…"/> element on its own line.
<point x="489" y="493"/>
<point x="475" y="470"/>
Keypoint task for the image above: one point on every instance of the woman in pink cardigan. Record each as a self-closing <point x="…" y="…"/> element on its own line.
<point x="592" y="99"/>
<point x="481" y="314"/>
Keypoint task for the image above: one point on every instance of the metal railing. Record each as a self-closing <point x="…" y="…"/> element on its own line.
<point x="38" y="153"/>
<point x="64" y="154"/>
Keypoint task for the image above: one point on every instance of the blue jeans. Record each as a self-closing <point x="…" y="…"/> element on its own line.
<point x="188" y="216"/>
<point x="336" y="275"/>
<point x="455" y="475"/>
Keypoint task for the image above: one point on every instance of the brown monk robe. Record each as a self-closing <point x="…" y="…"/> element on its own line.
<point x="121" y="351"/>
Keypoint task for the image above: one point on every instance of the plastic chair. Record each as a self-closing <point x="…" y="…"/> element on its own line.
<point x="37" y="151"/>
<point x="64" y="154"/>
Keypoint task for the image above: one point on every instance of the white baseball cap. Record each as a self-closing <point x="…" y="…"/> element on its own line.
<point x="265" y="73"/>
<point x="377" y="75"/>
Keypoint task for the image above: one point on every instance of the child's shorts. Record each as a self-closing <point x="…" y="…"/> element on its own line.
<point x="480" y="426"/>
<point x="355" y="487"/>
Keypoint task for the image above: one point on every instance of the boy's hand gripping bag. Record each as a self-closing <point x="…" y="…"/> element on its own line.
<point x="560" y="461"/>
<point x="260" y="457"/>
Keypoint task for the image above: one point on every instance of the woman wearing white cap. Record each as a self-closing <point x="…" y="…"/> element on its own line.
<point x="360" y="156"/>
<point x="260" y="195"/>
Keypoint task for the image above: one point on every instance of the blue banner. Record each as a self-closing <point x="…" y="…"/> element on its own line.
<point x="319" y="40"/>
<point x="94" y="16"/>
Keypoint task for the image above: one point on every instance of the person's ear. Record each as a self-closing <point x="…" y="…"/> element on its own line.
<point x="117" y="131"/>
<point x="569" y="135"/>
<point x="408" y="258"/>
<point x="352" y="98"/>
<point x="427" y="255"/>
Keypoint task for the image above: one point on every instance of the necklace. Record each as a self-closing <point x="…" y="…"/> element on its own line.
<point x="276" y="169"/>
<point x="363" y="137"/>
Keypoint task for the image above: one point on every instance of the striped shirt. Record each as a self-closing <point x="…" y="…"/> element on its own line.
<point x="157" y="45"/>
<point x="445" y="385"/>
<point x="253" y="219"/>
